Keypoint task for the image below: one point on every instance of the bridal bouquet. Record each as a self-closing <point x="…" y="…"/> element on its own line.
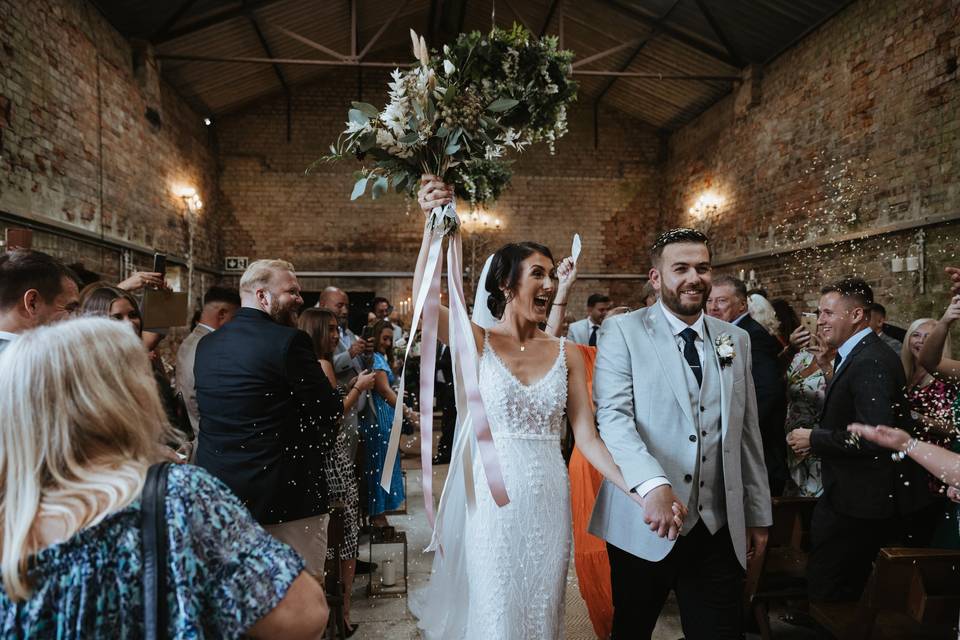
<point x="458" y="112"/>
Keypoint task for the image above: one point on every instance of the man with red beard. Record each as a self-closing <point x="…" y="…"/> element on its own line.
<point x="268" y="412"/>
<point x="677" y="409"/>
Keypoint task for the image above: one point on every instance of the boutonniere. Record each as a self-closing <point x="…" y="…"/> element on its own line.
<point x="725" y="350"/>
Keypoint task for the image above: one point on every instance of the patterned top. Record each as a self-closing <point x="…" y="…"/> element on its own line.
<point x="224" y="572"/>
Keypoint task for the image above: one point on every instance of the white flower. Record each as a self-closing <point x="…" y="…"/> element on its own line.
<point x="725" y="349"/>
<point x="384" y="139"/>
<point x="448" y="67"/>
<point x="354" y="127"/>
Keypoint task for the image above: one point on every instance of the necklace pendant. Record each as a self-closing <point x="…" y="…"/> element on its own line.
<point x="522" y="348"/>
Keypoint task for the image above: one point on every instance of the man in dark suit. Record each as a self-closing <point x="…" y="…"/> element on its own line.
<point x="35" y="290"/>
<point x="728" y="302"/>
<point x="446" y="402"/>
<point x="868" y="500"/>
<point x="268" y="412"/>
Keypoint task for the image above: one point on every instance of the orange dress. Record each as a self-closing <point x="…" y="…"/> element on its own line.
<point x="590" y="552"/>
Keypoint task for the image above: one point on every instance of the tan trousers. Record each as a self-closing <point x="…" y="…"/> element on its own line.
<point x="308" y="537"/>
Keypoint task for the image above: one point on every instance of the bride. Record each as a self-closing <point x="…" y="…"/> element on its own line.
<point x="502" y="572"/>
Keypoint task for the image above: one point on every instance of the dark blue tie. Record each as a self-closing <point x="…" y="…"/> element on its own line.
<point x="836" y="363"/>
<point x="690" y="353"/>
<point x="593" y="336"/>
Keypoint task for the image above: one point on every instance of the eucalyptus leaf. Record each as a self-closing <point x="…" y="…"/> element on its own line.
<point x="357" y="116"/>
<point x="410" y="138"/>
<point x="451" y="149"/>
<point x="502" y="104"/>
<point x="442" y="132"/>
<point x="366" y="109"/>
<point x="379" y="187"/>
<point x="359" y="188"/>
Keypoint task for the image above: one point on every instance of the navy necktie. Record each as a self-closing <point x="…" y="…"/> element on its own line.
<point x="593" y="336"/>
<point x="836" y="363"/>
<point x="690" y="353"/>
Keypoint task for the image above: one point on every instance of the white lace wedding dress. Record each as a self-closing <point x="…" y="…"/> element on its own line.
<point x="506" y="578"/>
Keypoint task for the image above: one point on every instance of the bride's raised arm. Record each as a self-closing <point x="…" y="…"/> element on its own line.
<point x="434" y="193"/>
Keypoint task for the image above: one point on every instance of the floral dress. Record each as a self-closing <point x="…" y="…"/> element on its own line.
<point x="224" y="572"/>
<point x="805" y="397"/>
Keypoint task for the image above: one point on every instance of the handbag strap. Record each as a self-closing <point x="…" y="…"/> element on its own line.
<point x="153" y="530"/>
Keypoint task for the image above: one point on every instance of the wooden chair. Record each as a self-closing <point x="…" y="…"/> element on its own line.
<point x="779" y="573"/>
<point x="332" y="578"/>
<point x="911" y="593"/>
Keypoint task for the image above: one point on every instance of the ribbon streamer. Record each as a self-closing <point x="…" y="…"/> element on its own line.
<point x="443" y="221"/>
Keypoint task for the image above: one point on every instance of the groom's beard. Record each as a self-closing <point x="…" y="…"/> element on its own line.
<point x="671" y="300"/>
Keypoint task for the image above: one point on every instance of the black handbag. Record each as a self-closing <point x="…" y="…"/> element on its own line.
<point x="153" y="530"/>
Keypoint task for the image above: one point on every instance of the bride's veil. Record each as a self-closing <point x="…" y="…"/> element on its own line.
<point x="441" y="606"/>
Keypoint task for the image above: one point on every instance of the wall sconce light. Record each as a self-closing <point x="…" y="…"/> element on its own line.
<point x="190" y="198"/>
<point x="706" y="205"/>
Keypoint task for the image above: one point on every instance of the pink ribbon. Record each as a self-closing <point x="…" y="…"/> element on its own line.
<point x="464" y="356"/>
<point x="466" y="351"/>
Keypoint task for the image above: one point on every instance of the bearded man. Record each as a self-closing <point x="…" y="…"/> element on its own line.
<point x="268" y="412"/>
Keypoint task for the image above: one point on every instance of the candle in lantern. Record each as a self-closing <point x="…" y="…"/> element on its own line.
<point x="752" y="275"/>
<point x="389" y="577"/>
<point x="742" y="273"/>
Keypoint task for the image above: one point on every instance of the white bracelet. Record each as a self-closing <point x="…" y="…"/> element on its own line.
<point x="898" y="456"/>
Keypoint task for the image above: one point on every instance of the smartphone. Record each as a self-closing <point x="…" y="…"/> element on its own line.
<point x="367" y="334"/>
<point x="160" y="263"/>
<point x="808" y="321"/>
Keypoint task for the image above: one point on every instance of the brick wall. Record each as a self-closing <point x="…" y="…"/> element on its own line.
<point x="76" y="147"/>
<point x="605" y="194"/>
<point x="857" y="131"/>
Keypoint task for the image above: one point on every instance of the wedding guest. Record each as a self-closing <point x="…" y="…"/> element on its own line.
<point x="807" y="377"/>
<point x="878" y="319"/>
<point x="446" y="402"/>
<point x="375" y="430"/>
<point x="323" y="327"/>
<point x="933" y="357"/>
<point x="220" y="304"/>
<point x="78" y="447"/>
<point x="788" y="324"/>
<point x="728" y="302"/>
<point x="348" y="360"/>
<point x="585" y="331"/>
<point x="268" y="413"/>
<point x="382" y="310"/>
<point x="35" y="290"/>
<point x="112" y="302"/>
<point x="931" y="399"/>
<point x="868" y="500"/>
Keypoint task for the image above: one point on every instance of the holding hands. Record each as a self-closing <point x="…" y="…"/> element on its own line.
<point x="663" y="511"/>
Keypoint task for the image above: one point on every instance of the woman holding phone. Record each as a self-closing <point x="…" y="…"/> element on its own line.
<point x="807" y="377"/>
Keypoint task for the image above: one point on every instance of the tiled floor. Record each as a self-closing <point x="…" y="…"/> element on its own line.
<point x="389" y="618"/>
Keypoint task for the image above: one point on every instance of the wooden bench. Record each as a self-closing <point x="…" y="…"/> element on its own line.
<point x="779" y="573"/>
<point x="911" y="594"/>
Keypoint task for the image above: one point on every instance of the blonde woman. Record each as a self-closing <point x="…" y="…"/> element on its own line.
<point x="74" y="452"/>
<point x="931" y="398"/>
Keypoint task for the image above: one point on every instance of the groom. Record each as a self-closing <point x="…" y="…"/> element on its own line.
<point x="677" y="409"/>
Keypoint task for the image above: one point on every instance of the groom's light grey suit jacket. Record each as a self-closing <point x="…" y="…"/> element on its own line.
<point x="646" y="420"/>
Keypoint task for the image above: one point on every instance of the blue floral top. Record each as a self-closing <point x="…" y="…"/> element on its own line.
<point x="224" y="572"/>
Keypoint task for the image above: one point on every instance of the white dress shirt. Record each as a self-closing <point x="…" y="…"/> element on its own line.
<point x="676" y="327"/>
<point x="844" y="350"/>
